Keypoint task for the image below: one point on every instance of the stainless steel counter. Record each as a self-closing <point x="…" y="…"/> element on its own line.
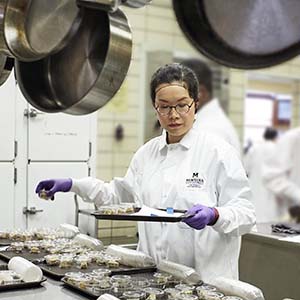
<point x="49" y="290"/>
<point x="270" y="263"/>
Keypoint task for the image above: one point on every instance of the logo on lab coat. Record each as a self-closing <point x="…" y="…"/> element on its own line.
<point x="196" y="181"/>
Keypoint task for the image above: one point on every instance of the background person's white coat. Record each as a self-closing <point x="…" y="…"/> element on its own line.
<point x="212" y="119"/>
<point x="201" y="169"/>
<point x="265" y="203"/>
<point x="282" y="173"/>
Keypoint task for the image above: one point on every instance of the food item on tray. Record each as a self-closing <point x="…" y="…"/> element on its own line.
<point x="171" y="293"/>
<point x="9" y="277"/>
<point x="101" y="272"/>
<point x="154" y="293"/>
<point x="123" y="208"/>
<point x="185" y="288"/>
<point x="133" y="295"/>
<point x="183" y="296"/>
<point x="161" y="277"/>
<point x="66" y="261"/>
<point x="203" y="289"/>
<point x="214" y="296"/>
<point x="43" y="195"/>
<point x="140" y="282"/>
<point x="52" y="259"/>
<point x="121" y="280"/>
<point x="112" y="261"/>
<point x="4" y="234"/>
<point x="82" y="261"/>
<point x="16" y="246"/>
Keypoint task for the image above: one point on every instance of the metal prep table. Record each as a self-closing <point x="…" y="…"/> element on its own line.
<point x="271" y="264"/>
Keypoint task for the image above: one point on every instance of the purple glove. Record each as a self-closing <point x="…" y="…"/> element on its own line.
<point x="51" y="186"/>
<point x="203" y="216"/>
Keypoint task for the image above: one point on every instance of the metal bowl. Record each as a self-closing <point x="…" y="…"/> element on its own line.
<point x="32" y="29"/>
<point x="242" y="34"/>
<point x="84" y="75"/>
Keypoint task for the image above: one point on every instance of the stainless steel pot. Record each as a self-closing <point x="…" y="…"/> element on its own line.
<point x="248" y="34"/>
<point x="6" y="65"/>
<point x="84" y="75"/>
<point x="112" y="5"/>
<point x="32" y="29"/>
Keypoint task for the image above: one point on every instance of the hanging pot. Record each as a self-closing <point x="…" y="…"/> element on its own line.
<point x="87" y="73"/>
<point x="248" y="34"/>
<point x="32" y="29"/>
<point x="6" y="65"/>
<point x="112" y="5"/>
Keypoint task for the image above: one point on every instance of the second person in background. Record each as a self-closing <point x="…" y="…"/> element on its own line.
<point x="210" y="116"/>
<point x="185" y="169"/>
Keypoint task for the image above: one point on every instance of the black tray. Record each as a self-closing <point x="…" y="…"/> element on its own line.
<point x="132" y="217"/>
<point x="33" y="257"/>
<point x="90" y="294"/>
<point x="5" y="242"/>
<point x="20" y="285"/>
<point x="58" y="273"/>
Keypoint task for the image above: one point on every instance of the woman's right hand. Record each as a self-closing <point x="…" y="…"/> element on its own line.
<point x="47" y="188"/>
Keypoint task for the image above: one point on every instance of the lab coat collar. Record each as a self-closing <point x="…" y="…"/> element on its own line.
<point x="186" y="142"/>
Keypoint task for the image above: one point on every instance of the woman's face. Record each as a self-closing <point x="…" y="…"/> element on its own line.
<point x="176" y="124"/>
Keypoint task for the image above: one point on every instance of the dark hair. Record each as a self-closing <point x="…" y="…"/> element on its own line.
<point x="270" y="133"/>
<point x="175" y="72"/>
<point x="202" y="71"/>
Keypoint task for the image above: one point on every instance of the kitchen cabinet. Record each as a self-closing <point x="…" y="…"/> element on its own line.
<point x="36" y="146"/>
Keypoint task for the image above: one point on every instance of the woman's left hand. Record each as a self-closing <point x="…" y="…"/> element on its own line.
<point x="201" y="216"/>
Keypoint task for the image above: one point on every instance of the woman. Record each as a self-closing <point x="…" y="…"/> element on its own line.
<point x="183" y="169"/>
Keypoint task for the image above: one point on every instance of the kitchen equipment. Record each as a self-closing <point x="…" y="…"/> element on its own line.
<point x="84" y="75"/>
<point x="6" y="65"/>
<point x="242" y="34"/>
<point x="31" y="29"/>
<point x="112" y="5"/>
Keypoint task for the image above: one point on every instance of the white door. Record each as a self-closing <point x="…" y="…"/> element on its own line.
<point x="7" y="202"/>
<point x="7" y="119"/>
<point x="57" y="137"/>
<point x="62" y="209"/>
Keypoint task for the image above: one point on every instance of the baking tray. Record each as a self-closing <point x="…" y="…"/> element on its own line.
<point x="6" y="242"/>
<point x="58" y="273"/>
<point x="132" y="217"/>
<point x="33" y="257"/>
<point x="90" y="294"/>
<point x="20" y="285"/>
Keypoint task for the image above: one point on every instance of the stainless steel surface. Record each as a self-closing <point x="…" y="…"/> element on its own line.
<point x="31" y="210"/>
<point x="248" y="34"/>
<point x="112" y="5"/>
<point x="136" y="3"/>
<point x="31" y="29"/>
<point x="255" y="26"/>
<point x="49" y="290"/>
<point x="107" y="5"/>
<point x="31" y="113"/>
<point x="87" y="73"/>
<point x="270" y="263"/>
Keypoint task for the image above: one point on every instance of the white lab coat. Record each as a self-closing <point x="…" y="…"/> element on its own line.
<point x="282" y="173"/>
<point x="264" y="201"/>
<point x="199" y="169"/>
<point x="212" y="119"/>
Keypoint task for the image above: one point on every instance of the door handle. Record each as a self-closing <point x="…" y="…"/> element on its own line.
<point x="32" y="113"/>
<point x="31" y="210"/>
